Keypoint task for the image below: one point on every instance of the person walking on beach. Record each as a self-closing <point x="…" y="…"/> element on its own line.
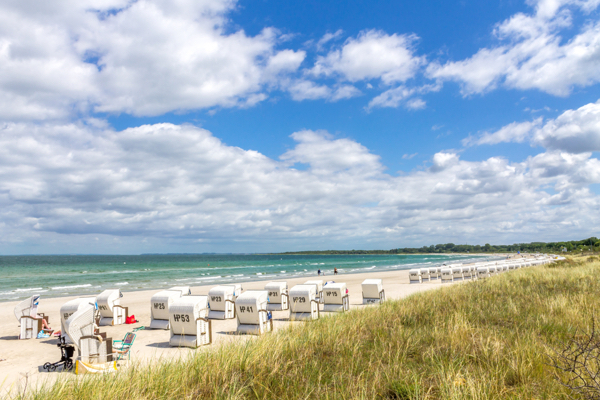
<point x="319" y="272"/>
<point x="335" y="271"/>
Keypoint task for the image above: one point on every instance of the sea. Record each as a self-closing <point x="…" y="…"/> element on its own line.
<point x="75" y="275"/>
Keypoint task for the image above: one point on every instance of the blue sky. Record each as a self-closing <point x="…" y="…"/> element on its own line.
<point x="224" y="126"/>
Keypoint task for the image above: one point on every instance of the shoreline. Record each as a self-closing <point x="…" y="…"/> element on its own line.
<point x="25" y="357"/>
<point x="79" y="289"/>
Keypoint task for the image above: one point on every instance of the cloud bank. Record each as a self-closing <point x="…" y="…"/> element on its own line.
<point x="179" y="182"/>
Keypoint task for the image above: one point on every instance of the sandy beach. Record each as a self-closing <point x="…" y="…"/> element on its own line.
<point x="23" y="359"/>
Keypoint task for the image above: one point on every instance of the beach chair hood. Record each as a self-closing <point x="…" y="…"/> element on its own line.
<point x="185" y="290"/>
<point x="81" y="323"/>
<point x="27" y="308"/>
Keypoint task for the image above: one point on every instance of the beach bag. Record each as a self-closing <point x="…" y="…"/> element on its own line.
<point x="130" y="320"/>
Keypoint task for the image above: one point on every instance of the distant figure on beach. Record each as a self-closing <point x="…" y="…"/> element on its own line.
<point x="335" y="271"/>
<point x="319" y="272"/>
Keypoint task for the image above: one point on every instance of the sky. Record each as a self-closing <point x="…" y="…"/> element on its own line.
<point x="195" y="126"/>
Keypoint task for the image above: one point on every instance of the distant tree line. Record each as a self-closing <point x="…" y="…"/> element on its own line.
<point x="590" y="244"/>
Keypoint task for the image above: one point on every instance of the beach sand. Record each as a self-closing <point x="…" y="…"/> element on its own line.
<point x="23" y="359"/>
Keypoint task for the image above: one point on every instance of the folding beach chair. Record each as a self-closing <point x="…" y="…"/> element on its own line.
<point x="122" y="347"/>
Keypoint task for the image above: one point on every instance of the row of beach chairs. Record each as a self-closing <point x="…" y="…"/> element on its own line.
<point x="460" y="272"/>
<point x="189" y="317"/>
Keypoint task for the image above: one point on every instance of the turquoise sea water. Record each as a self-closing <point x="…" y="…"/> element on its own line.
<point x="53" y="276"/>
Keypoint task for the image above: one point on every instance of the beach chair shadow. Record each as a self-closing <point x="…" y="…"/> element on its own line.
<point x="160" y="345"/>
<point x="228" y="332"/>
<point x="9" y="337"/>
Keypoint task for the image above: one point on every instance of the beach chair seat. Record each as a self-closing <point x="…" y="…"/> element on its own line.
<point x="492" y="270"/>
<point x="372" y="291"/>
<point x="71" y="307"/>
<point x="122" y="347"/>
<point x="30" y="320"/>
<point x="190" y="326"/>
<point x="110" y="308"/>
<point x="159" y="308"/>
<point x="278" y="296"/>
<point x="336" y="297"/>
<point x="221" y="302"/>
<point x="414" y="275"/>
<point x="252" y="314"/>
<point x="303" y="303"/>
<point x="424" y="274"/>
<point x="319" y="285"/>
<point x="447" y="275"/>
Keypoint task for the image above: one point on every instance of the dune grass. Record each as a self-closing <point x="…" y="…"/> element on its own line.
<point x="487" y="339"/>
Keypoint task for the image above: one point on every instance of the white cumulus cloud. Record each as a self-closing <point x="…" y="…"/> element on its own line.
<point x="164" y="183"/>
<point x="146" y="57"/>
<point x="533" y="55"/>
<point x="574" y="131"/>
<point x="372" y="55"/>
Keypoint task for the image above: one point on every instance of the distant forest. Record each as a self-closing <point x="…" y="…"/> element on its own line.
<point x="590" y="244"/>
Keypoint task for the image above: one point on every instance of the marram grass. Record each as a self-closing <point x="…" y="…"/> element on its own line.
<point x="486" y="339"/>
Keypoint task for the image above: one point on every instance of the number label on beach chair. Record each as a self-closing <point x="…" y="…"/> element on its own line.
<point x="216" y="298"/>
<point x="299" y="299"/>
<point x="246" y="309"/>
<point x="181" y="317"/>
<point x="273" y="294"/>
<point x="159" y="306"/>
<point x="329" y="294"/>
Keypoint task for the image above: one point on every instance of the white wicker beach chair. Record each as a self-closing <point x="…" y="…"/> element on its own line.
<point x="221" y="302"/>
<point x="424" y="274"/>
<point x="111" y="310"/>
<point x="447" y="275"/>
<point x="159" y="308"/>
<point x="252" y="314"/>
<point x="336" y="297"/>
<point x="278" y="296"/>
<point x="80" y="329"/>
<point x="188" y="322"/>
<point x="466" y="272"/>
<point x="433" y="273"/>
<point x="69" y="308"/>
<point x="372" y="291"/>
<point x="414" y="276"/>
<point x="30" y="320"/>
<point x="483" y="272"/>
<point x="457" y="274"/>
<point x="303" y="302"/>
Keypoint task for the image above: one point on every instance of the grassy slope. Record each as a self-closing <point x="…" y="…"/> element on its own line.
<point x="479" y="340"/>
